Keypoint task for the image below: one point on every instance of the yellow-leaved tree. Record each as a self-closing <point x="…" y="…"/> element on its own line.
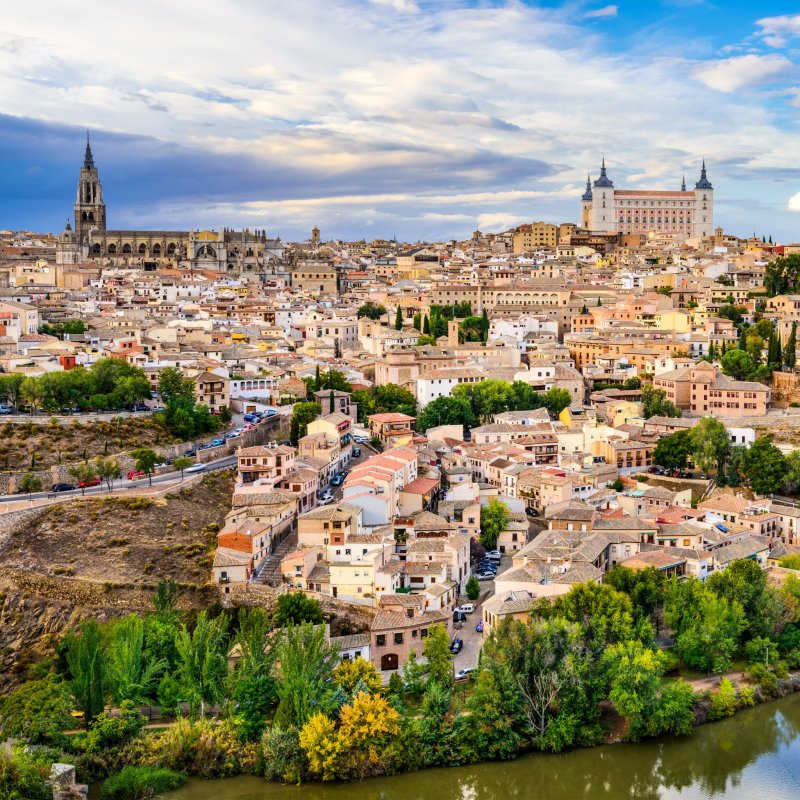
<point x="320" y="740"/>
<point x="357" y="673"/>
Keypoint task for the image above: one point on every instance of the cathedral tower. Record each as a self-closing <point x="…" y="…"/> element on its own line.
<point x="90" y="210"/>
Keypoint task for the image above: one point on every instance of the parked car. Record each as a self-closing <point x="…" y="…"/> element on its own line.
<point x="141" y="407"/>
<point x="190" y="453"/>
<point x="251" y="417"/>
<point x="653" y="470"/>
<point x="479" y="627"/>
<point x="215" y="412"/>
<point x="62" y="487"/>
<point x="458" y="616"/>
<point x="361" y="439"/>
<point x="90" y="482"/>
<point x="270" y="412"/>
<point x="467" y="608"/>
<point x="136" y="473"/>
<point x="4" y="409"/>
<point x="485" y="576"/>
<point x="337" y="480"/>
<point x="487" y="566"/>
<point x="325" y="501"/>
<point x="494" y="555"/>
<point x="463" y="674"/>
<point x="531" y="512"/>
<point x="73" y="410"/>
<point x="217" y="442"/>
<point x="356" y="452"/>
<point x="456" y="646"/>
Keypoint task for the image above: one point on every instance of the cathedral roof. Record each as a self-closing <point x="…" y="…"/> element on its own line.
<point x="703" y="183"/>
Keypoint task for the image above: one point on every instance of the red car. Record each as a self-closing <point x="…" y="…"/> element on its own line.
<point x="90" y="482"/>
<point x="134" y="474"/>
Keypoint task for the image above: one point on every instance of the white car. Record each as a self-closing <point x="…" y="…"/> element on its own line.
<point x="196" y="468"/>
<point x="467" y="608"/>
<point x="463" y="674"/>
<point x="485" y="576"/>
<point x="325" y="501"/>
<point x="494" y="555"/>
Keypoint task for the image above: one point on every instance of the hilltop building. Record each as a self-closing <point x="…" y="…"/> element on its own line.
<point x="682" y="213"/>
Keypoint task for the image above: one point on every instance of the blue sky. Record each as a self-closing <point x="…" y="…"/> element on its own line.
<point x="378" y="117"/>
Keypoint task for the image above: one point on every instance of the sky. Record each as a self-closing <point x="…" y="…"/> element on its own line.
<point x="408" y="118"/>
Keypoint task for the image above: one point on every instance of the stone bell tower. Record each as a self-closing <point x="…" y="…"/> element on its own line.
<point x="90" y="210"/>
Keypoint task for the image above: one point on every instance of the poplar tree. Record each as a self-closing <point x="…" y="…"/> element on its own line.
<point x="398" y="319"/>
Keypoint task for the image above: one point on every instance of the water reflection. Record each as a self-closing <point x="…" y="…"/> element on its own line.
<point x="754" y="755"/>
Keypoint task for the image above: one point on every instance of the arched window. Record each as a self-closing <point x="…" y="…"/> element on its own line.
<point x="112" y="249"/>
<point x="142" y="249"/>
<point x="156" y="249"/>
<point x="171" y="249"/>
<point x="96" y="249"/>
<point x="126" y="249"/>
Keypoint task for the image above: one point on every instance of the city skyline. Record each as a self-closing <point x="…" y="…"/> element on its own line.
<point x="389" y="117"/>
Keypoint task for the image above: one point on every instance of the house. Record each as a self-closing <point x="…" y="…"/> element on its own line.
<point x="335" y="426"/>
<point x="212" y="390"/>
<point x="268" y="464"/>
<point x="342" y="402"/>
<point x="392" y="429"/>
<point x="328" y="525"/>
<point x="400" y="627"/>
<point x="231" y="567"/>
<point x="514" y="604"/>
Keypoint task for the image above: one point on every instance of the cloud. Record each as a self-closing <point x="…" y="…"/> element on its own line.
<point x="741" y="72"/>
<point x="602" y="13"/>
<point x="778" y="31"/>
<point x="794" y="202"/>
<point x="406" y="6"/>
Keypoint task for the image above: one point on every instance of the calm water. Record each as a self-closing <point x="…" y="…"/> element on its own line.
<point x="754" y="756"/>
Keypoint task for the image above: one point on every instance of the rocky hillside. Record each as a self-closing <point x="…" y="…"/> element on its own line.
<point x="102" y="557"/>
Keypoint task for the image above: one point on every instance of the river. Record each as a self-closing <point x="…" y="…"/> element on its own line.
<point x="753" y="756"/>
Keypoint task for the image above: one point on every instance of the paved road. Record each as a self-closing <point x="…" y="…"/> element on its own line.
<point x="124" y="483"/>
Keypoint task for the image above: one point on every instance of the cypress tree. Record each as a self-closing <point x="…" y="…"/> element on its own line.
<point x="790" y="351"/>
<point x="398" y="319"/>
<point x="599" y="302"/>
<point x="317" y="380"/>
<point x="712" y="351"/>
<point x="426" y="326"/>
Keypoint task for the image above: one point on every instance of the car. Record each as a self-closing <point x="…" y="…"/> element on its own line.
<point x="270" y="412"/>
<point x="652" y="470"/>
<point x="484" y="576"/>
<point x="158" y="408"/>
<point x="251" y="417"/>
<point x="217" y="442"/>
<point x="458" y="616"/>
<point x="479" y="627"/>
<point x="195" y="468"/>
<point x="361" y="439"/>
<point x="456" y="646"/>
<point x="136" y="473"/>
<point x="190" y="453"/>
<point x="215" y="413"/>
<point x="467" y="608"/>
<point x="73" y="410"/>
<point x="88" y="483"/>
<point x="356" y="452"/>
<point x="325" y="501"/>
<point x="487" y="566"/>
<point x="337" y="480"/>
<point x="62" y="487"/>
<point x="463" y="674"/>
<point x="531" y="512"/>
<point x="141" y="407"/>
<point x="4" y="409"/>
<point x="494" y="555"/>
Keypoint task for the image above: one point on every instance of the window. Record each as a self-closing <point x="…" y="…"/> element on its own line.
<point x="398" y="638"/>
<point x="380" y="639"/>
<point x="423" y="634"/>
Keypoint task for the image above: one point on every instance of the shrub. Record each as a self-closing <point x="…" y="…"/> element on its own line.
<point x="723" y="702"/>
<point x="132" y="783"/>
<point x="21" y="779"/>
<point x="111" y="731"/>
<point x="764" y="678"/>
<point x="284" y="759"/>
<point x="747" y="697"/>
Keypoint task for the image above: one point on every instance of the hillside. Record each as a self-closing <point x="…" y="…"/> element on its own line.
<point x="103" y="557"/>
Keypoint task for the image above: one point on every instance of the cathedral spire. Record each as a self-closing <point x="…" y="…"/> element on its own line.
<point x="683" y="184"/>
<point x="88" y="161"/>
<point x="587" y="195"/>
<point x="603" y="180"/>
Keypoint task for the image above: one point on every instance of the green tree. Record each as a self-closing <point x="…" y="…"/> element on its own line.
<point x="108" y="470"/>
<point x="473" y="588"/>
<point x="306" y="663"/>
<point x="709" y="639"/>
<point x="295" y="608"/>
<point x="426" y="326"/>
<point x="355" y="675"/>
<point x="710" y="444"/>
<point x="398" y="319"/>
<point x="145" y="460"/>
<point x="87" y="666"/>
<point x="436" y="650"/>
<point x="203" y="667"/>
<point x="417" y="321"/>
<point x="645" y="587"/>
<point x="673" y="451"/>
<point x="83" y="474"/>
<point x="131" y="674"/>
<point x="494" y="518"/>
<point x="555" y="400"/>
<point x="302" y="414"/>
<point x="371" y="310"/>
<point x="30" y="483"/>
<point x="655" y="403"/>
<point x="252" y="681"/>
<point x="738" y="364"/>
<point x="182" y="463"/>
<point x="790" y="350"/>
<point x="764" y="466"/>
<point x="391" y="398"/>
<point x="446" y="411"/>
<point x="782" y="274"/>
<point x="37" y="712"/>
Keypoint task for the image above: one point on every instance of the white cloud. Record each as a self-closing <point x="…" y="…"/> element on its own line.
<point x="602" y="13"/>
<point x="740" y="72"/>
<point x="406" y="6"/>
<point x="794" y="202"/>
<point x="778" y="31"/>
